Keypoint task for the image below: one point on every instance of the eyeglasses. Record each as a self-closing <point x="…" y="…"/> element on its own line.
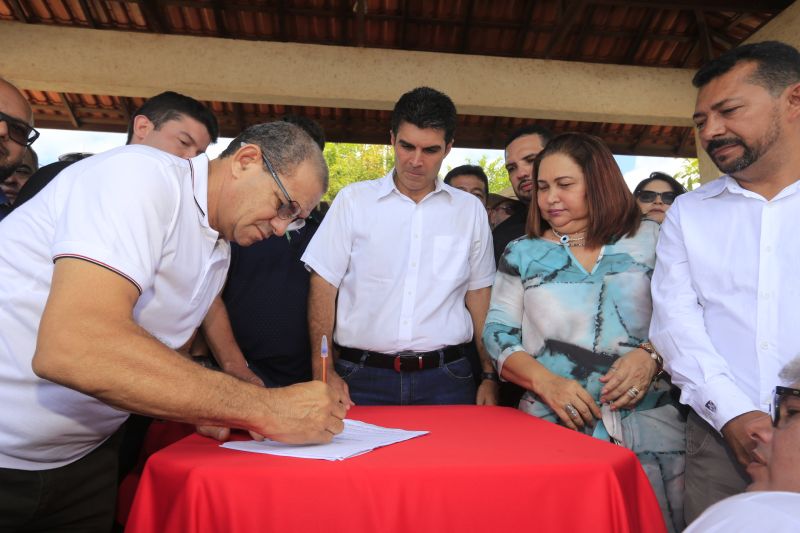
<point x="777" y="400"/>
<point x="506" y="208"/>
<point x="648" y="197"/>
<point x="290" y="210"/>
<point x="19" y="131"/>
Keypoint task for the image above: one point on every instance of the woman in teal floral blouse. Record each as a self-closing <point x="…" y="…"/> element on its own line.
<point x="571" y="308"/>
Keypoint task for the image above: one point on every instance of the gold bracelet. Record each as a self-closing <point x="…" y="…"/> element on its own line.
<point x="649" y="348"/>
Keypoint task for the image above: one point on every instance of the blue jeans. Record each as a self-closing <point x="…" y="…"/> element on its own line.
<point x="449" y="384"/>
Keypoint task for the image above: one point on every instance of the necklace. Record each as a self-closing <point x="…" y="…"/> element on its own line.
<point x="565" y="240"/>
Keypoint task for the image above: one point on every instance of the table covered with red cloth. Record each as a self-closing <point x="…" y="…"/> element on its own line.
<point x="479" y="469"/>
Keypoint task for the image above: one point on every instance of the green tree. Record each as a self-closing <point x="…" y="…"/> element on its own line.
<point x="689" y="174"/>
<point x="349" y="163"/>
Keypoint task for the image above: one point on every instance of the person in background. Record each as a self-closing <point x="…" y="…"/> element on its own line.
<point x="500" y="208"/>
<point x="521" y="149"/>
<point x="571" y="308"/>
<point x="13" y="183"/>
<point x="471" y="179"/>
<point x="17" y="133"/>
<point x="725" y="288"/>
<point x="772" y="501"/>
<point x="656" y="193"/>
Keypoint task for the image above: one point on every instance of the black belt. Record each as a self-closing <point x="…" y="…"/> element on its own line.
<point x="403" y="361"/>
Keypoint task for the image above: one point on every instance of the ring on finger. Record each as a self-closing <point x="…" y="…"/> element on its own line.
<point x="633" y="392"/>
<point x="571" y="411"/>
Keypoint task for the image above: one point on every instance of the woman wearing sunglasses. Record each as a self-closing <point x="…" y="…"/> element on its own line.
<point x="655" y="195"/>
<point x="570" y="313"/>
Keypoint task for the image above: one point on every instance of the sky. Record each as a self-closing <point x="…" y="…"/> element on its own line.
<point x="53" y="143"/>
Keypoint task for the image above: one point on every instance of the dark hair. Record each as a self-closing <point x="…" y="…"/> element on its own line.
<point x="468" y="170"/>
<point x="530" y="129"/>
<point x="613" y="212"/>
<point x="310" y="126"/>
<point x="426" y="108"/>
<point x="778" y="65"/>
<point x="284" y="144"/>
<point x="171" y="106"/>
<point x="676" y="187"/>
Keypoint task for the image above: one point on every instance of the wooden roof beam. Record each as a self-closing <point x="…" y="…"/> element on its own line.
<point x="561" y="32"/>
<point x="703" y="36"/>
<point x="644" y="29"/>
<point x="19" y="13"/>
<point x="73" y="118"/>
<point x="746" y="6"/>
<point x="525" y="26"/>
<point x="466" y="27"/>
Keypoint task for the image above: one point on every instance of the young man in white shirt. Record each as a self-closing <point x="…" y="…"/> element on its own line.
<point x="116" y="264"/>
<point x="411" y="262"/>
<point x="725" y="288"/>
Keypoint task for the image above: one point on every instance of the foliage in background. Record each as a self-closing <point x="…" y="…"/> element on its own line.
<point x="495" y="171"/>
<point x="689" y="174"/>
<point x="349" y="163"/>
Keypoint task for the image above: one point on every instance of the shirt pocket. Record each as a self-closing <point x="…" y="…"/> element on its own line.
<point x="450" y="257"/>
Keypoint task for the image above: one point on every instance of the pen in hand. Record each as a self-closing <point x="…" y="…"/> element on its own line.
<point x="324" y="354"/>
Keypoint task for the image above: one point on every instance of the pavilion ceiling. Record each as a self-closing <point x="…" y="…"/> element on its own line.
<point x="668" y="33"/>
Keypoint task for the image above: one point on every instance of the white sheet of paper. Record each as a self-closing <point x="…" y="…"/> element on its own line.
<point x="357" y="438"/>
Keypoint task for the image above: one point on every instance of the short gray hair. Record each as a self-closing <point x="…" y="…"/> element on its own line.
<point x="285" y="145"/>
<point x="791" y="372"/>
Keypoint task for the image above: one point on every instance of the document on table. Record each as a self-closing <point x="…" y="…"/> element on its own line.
<point x="357" y="438"/>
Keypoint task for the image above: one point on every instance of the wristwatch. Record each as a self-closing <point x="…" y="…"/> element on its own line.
<point x="491" y="376"/>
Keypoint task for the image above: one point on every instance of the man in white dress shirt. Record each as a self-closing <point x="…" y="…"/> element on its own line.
<point x="772" y="501"/>
<point x="115" y="265"/>
<point x="725" y="287"/>
<point x="411" y="262"/>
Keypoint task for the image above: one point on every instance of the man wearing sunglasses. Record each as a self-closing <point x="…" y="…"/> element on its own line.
<point x="725" y="286"/>
<point x="16" y="129"/>
<point x="772" y="501"/>
<point x="117" y="262"/>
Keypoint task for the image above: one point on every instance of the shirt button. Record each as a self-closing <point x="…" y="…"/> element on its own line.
<point x="764" y="345"/>
<point x="768" y="249"/>
<point x="414" y="264"/>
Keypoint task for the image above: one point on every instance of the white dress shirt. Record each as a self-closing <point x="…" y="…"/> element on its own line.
<point x="726" y="296"/>
<point x="136" y="211"/>
<point x="773" y="512"/>
<point x="402" y="268"/>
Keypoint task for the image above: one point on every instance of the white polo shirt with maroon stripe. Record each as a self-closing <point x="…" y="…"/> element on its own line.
<point x="137" y="211"/>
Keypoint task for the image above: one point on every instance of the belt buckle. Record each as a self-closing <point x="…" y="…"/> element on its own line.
<point x="397" y="361"/>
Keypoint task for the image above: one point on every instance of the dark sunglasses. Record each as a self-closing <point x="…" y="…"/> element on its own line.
<point x="290" y="210"/>
<point x="19" y="131"/>
<point x="775" y="408"/>
<point x="649" y="197"/>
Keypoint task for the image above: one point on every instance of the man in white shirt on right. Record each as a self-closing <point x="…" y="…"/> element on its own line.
<point x="725" y="286"/>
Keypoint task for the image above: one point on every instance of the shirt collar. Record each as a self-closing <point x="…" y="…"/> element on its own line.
<point x="729" y="184"/>
<point x="198" y="166"/>
<point x="387" y="185"/>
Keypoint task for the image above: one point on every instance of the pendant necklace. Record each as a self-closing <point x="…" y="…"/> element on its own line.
<point x="565" y="240"/>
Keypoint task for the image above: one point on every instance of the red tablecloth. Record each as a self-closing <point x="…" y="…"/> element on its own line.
<point x="480" y="469"/>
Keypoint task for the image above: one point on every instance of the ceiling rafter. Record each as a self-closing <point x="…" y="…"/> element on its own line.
<point x="152" y="13"/>
<point x="524" y="27"/>
<point x="703" y="35"/>
<point x="561" y="32"/>
<point x="87" y="13"/>
<point x="748" y="6"/>
<point x="581" y="35"/>
<point x="465" y="29"/>
<point x="361" y="23"/>
<point x="73" y="118"/>
<point x="218" y="8"/>
<point x="19" y="13"/>
<point x="401" y="39"/>
<point x="644" y="29"/>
